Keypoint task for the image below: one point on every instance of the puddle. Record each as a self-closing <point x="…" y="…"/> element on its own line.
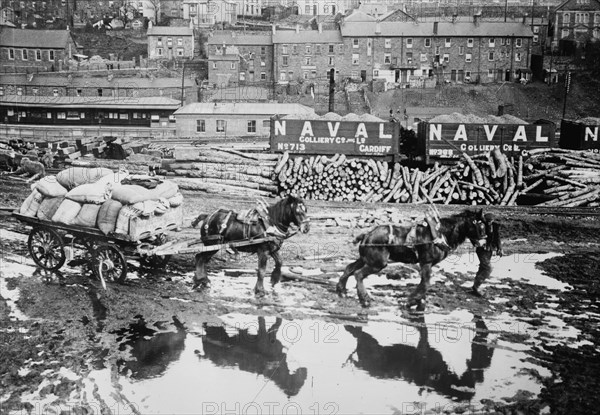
<point x="247" y="364"/>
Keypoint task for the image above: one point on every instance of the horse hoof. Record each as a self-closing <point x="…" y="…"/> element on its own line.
<point x="201" y="285"/>
<point x="342" y="291"/>
<point x="260" y="293"/>
<point x="476" y="293"/>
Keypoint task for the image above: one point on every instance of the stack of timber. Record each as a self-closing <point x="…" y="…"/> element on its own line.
<point x="224" y="170"/>
<point x="563" y="178"/>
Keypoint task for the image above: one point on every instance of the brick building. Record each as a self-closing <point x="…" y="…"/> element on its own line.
<point x="25" y="50"/>
<point x="576" y="21"/>
<point x="409" y="52"/>
<point x="170" y="42"/>
<point x="240" y="59"/>
<point x="307" y="55"/>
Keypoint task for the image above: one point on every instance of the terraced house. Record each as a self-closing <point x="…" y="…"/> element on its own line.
<point x="25" y="50"/>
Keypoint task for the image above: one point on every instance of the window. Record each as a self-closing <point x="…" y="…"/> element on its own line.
<point x="518" y="56"/>
<point x="597" y="18"/>
<point x="331" y="61"/>
<point x="518" y="42"/>
<point x="437" y="50"/>
<point x="1" y="91"/>
<point x="596" y="33"/>
<point x="282" y="76"/>
<point x="423" y="57"/>
<point x="305" y="74"/>
<point x="468" y="74"/>
<point x="284" y="49"/>
<point x="169" y="42"/>
<point x="290" y="75"/>
<point x="492" y="42"/>
<point x="468" y="57"/>
<point x="242" y="76"/>
<point x="214" y="65"/>
<point x="19" y="90"/>
<point x="159" y="51"/>
<point x="263" y="50"/>
<point x="331" y="49"/>
<point x="470" y="42"/>
<point x="307" y="9"/>
<point x="427" y="42"/>
<point x="536" y="38"/>
<point x="490" y="73"/>
<point x="55" y="92"/>
<point x="318" y="49"/>
<point x="179" y="51"/>
<point x="387" y="58"/>
<point x="313" y="74"/>
<point x="232" y="65"/>
<point x="99" y="92"/>
<point x="448" y="42"/>
<point x="564" y="33"/>
<point x="536" y="29"/>
<point x="263" y="76"/>
<point x="36" y="91"/>
<point x="38" y="55"/>
<point x="446" y="57"/>
<point x="252" y="126"/>
<point x="61" y="115"/>
<point x="409" y="58"/>
<point x="24" y="54"/>
<point x="326" y="8"/>
<point x="221" y="126"/>
<point x="375" y="73"/>
<point x="285" y="60"/>
<point x="307" y="50"/>
<point x="491" y="56"/>
<point x="566" y="18"/>
<point x="355" y="43"/>
<point x="79" y="91"/>
<point x="388" y="43"/>
<point x="159" y="41"/>
<point x="11" y="54"/>
<point x="355" y="59"/>
<point x="508" y="42"/>
<point x="308" y="60"/>
<point x="179" y="41"/>
<point x="295" y="49"/>
<point x="263" y="61"/>
<point x="341" y="48"/>
<point x="461" y="50"/>
<point x="409" y="42"/>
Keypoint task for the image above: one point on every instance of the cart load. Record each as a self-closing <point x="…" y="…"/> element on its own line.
<point x="116" y="203"/>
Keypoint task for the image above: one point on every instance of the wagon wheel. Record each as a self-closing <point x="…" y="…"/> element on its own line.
<point x="156" y="261"/>
<point x="110" y="263"/>
<point x="46" y="248"/>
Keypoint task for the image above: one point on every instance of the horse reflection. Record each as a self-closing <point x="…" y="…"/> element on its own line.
<point x="259" y="353"/>
<point x="423" y="365"/>
<point x="153" y="351"/>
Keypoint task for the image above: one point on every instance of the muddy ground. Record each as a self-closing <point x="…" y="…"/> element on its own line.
<point x="154" y="345"/>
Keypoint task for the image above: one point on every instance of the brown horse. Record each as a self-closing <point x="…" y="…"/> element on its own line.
<point x="387" y="243"/>
<point x="227" y="226"/>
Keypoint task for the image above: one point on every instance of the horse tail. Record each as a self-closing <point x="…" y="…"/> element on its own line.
<point x="359" y="238"/>
<point x="199" y="219"/>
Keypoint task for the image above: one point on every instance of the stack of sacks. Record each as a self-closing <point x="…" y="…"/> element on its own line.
<point x="154" y="198"/>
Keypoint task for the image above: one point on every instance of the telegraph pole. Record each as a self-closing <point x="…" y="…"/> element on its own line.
<point x="505" y="9"/>
<point x="567" y="88"/>
<point x="331" y="90"/>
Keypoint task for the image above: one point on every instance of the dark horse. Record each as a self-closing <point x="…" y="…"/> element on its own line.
<point x="392" y="243"/>
<point x="227" y="226"/>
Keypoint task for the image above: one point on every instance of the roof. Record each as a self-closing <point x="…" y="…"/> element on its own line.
<point x="240" y="39"/>
<point x="92" y="82"/>
<point x="224" y="57"/>
<point x="170" y="31"/>
<point x="308" y="36"/>
<point x="90" y="102"/>
<point x="242" y="108"/>
<point x="459" y="29"/>
<point x="28" y="38"/>
<point x="564" y="3"/>
<point x="359" y="16"/>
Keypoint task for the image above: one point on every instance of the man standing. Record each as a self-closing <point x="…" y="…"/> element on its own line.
<point x="492" y="246"/>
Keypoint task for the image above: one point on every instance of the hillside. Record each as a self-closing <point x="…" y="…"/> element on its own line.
<point x="531" y="102"/>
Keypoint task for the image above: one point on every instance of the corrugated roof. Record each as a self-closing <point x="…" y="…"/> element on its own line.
<point x="170" y="31"/>
<point x="459" y="29"/>
<point x="308" y="36"/>
<point x="239" y="39"/>
<point x="91" y="102"/>
<point x="240" y="108"/>
<point x="98" y="82"/>
<point x="28" y="38"/>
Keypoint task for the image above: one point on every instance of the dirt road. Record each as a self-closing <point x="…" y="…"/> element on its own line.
<point x="154" y="345"/>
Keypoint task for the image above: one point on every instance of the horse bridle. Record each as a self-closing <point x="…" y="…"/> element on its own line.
<point x="481" y="229"/>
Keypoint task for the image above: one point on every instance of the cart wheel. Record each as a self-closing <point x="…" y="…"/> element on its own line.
<point x="156" y="261"/>
<point x="110" y="263"/>
<point x="46" y="248"/>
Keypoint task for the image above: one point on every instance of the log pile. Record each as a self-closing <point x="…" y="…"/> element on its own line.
<point x="564" y="178"/>
<point x="218" y="170"/>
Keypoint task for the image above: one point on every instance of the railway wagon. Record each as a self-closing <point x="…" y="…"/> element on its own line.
<point x="449" y="140"/>
<point x="580" y="135"/>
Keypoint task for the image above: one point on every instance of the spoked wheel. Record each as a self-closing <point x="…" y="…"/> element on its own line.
<point x="46" y="248"/>
<point x="110" y="263"/>
<point x="156" y="261"/>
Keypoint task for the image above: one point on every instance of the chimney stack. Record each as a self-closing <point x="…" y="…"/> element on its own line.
<point x="297" y="28"/>
<point x="273" y="28"/>
<point x="320" y="25"/>
<point x="378" y="27"/>
<point x="435" y="28"/>
<point x="476" y="18"/>
<point x="525" y="18"/>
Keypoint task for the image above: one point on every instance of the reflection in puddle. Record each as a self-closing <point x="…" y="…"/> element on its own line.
<point x="248" y="363"/>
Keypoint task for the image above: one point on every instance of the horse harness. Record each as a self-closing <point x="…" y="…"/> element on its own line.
<point x="248" y="218"/>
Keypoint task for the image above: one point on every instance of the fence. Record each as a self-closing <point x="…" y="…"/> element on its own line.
<point x="55" y="133"/>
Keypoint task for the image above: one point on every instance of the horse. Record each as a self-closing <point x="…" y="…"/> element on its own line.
<point x="410" y="245"/>
<point x="227" y="226"/>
